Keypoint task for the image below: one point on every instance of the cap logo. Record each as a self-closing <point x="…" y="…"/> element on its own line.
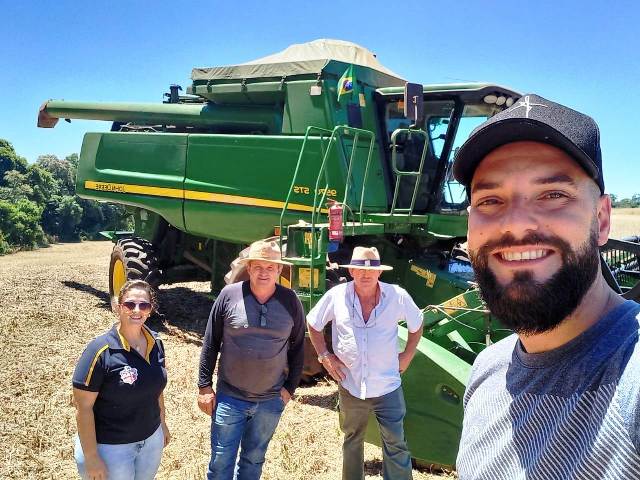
<point x="526" y="103"/>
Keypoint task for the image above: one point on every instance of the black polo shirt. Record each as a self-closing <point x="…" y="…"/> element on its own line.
<point x="128" y="385"/>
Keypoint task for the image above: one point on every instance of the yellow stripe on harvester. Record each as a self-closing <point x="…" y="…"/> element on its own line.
<point x="93" y="364"/>
<point x="128" y="188"/>
<point x="193" y="195"/>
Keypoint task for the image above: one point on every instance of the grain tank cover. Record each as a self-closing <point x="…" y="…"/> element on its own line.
<point x="304" y="59"/>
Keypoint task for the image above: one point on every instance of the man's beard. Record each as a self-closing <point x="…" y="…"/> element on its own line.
<point x="527" y="306"/>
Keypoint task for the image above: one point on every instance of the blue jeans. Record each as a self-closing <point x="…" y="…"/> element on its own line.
<point x="127" y="461"/>
<point x="248" y="425"/>
<point x="389" y="411"/>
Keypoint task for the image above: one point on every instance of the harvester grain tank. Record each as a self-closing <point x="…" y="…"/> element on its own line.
<point x="263" y="149"/>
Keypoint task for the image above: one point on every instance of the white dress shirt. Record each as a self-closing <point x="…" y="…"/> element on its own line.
<point x="368" y="349"/>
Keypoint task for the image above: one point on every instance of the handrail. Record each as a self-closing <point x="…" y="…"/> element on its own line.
<point x="402" y="173"/>
<point x="335" y="137"/>
<point x="295" y="173"/>
<point x="356" y="134"/>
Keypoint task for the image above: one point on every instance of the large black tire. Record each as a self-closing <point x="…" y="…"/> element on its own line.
<point x="133" y="258"/>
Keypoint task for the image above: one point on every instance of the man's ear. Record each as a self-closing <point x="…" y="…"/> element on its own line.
<point x="603" y="217"/>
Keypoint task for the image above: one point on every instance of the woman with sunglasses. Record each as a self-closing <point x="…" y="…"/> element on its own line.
<point x="117" y="391"/>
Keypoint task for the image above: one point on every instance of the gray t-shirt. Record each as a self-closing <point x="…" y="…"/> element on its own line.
<point x="256" y="359"/>
<point x="570" y="413"/>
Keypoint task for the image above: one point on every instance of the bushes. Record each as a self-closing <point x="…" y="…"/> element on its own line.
<point x="4" y="246"/>
<point x="38" y="202"/>
<point x="20" y="223"/>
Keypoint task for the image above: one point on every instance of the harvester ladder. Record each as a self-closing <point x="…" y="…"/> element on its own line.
<point x="319" y="195"/>
<point x="402" y="173"/>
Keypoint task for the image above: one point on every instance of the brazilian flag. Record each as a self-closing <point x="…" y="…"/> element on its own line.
<point x="347" y="83"/>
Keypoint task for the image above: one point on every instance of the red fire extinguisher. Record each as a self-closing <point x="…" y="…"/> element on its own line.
<point x="336" y="233"/>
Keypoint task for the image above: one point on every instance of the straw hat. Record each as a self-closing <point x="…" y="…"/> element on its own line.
<point x="366" y="258"/>
<point x="265" y="251"/>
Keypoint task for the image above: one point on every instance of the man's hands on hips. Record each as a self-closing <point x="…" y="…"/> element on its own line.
<point x="335" y="367"/>
<point x="404" y="359"/>
<point x="207" y="400"/>
<point x="285" y="395"/>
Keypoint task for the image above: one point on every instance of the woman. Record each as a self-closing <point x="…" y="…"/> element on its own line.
<point x="117" y="391"/>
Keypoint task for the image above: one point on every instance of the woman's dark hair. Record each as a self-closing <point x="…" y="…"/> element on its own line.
<point x="142" y="285"/>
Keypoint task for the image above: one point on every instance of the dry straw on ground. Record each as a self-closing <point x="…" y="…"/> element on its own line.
<point x="53" y="301"/>
<point x="626" y="222"/>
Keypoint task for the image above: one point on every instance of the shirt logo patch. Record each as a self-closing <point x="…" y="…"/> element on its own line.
<point x="129" y="375"/>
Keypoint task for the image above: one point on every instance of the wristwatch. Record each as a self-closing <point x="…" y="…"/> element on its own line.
<point x="323" y="355"/>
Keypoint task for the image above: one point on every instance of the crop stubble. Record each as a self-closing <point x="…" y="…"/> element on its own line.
<point x="53" y="301"/>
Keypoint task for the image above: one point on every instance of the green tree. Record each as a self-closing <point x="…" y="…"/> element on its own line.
<point x="62" y="216"/>
<point x="15" y="187"/>
<point x="20" y="223"/>
<point x="93" y="219"/>
<point x="73" y="160"/>
<point x="4" y="245"/>
<point x="62" y="170"/>
<point x="42" y="183"/>
<point x="69" y="217"/>
<point x="10" y="160"/>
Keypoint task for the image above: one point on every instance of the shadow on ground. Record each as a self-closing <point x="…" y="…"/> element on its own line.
<point x="105" y="302"/>
<point x="328" y="400"/>
<point x="181" y="311"/>
<point x="373" y="467"/>
<point x="184" y="309"/>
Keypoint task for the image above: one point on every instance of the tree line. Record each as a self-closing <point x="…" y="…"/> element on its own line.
<point x="39" y="205"/>
<point x="633" y="202"/>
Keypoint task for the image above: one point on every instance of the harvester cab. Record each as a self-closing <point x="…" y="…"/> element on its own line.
<point x="277" y="147"/>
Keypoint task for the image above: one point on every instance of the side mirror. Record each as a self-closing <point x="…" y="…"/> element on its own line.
<point x="413" y="102"/>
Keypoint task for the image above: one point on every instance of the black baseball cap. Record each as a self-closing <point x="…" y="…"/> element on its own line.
<point x="537" y="119"/>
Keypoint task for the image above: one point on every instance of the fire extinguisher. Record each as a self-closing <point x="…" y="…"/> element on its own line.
<point x="336" y="233"/>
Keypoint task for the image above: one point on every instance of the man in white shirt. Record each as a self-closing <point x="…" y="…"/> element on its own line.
<point x="366" y="362"/>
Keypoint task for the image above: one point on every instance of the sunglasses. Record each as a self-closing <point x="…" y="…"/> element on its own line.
<point x="142" y="306"/>
<point x="263" y="316"/>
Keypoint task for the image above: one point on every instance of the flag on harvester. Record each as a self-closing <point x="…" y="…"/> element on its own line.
<point x="347" y="83"/>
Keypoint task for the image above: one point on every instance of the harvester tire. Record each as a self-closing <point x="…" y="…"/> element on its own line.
<point x="133" y="258"/>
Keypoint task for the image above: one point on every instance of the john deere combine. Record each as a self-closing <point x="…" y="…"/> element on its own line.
<point x="264" y="149"/>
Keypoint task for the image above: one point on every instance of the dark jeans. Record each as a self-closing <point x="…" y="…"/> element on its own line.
<point x="248" y="425"/>
<point x="389" y="410"/>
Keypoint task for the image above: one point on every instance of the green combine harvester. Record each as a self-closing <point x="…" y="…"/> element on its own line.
<point x="278" y="146"/>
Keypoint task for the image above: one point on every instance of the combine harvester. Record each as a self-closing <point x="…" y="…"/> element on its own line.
<point x="286" y="146"/>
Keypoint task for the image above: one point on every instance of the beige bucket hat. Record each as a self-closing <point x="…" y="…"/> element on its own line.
<point x="267" y="251"/>
<point x="366" y="258"/>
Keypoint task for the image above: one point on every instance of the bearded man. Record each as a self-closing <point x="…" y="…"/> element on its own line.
<point x="559" y="398"/>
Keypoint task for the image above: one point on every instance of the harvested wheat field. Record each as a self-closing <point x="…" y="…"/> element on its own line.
<point x="626" y="222"/>
<point x="53" y="301"/>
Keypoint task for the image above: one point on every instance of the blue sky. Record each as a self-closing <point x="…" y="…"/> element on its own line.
<point x="581" y="53"/>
